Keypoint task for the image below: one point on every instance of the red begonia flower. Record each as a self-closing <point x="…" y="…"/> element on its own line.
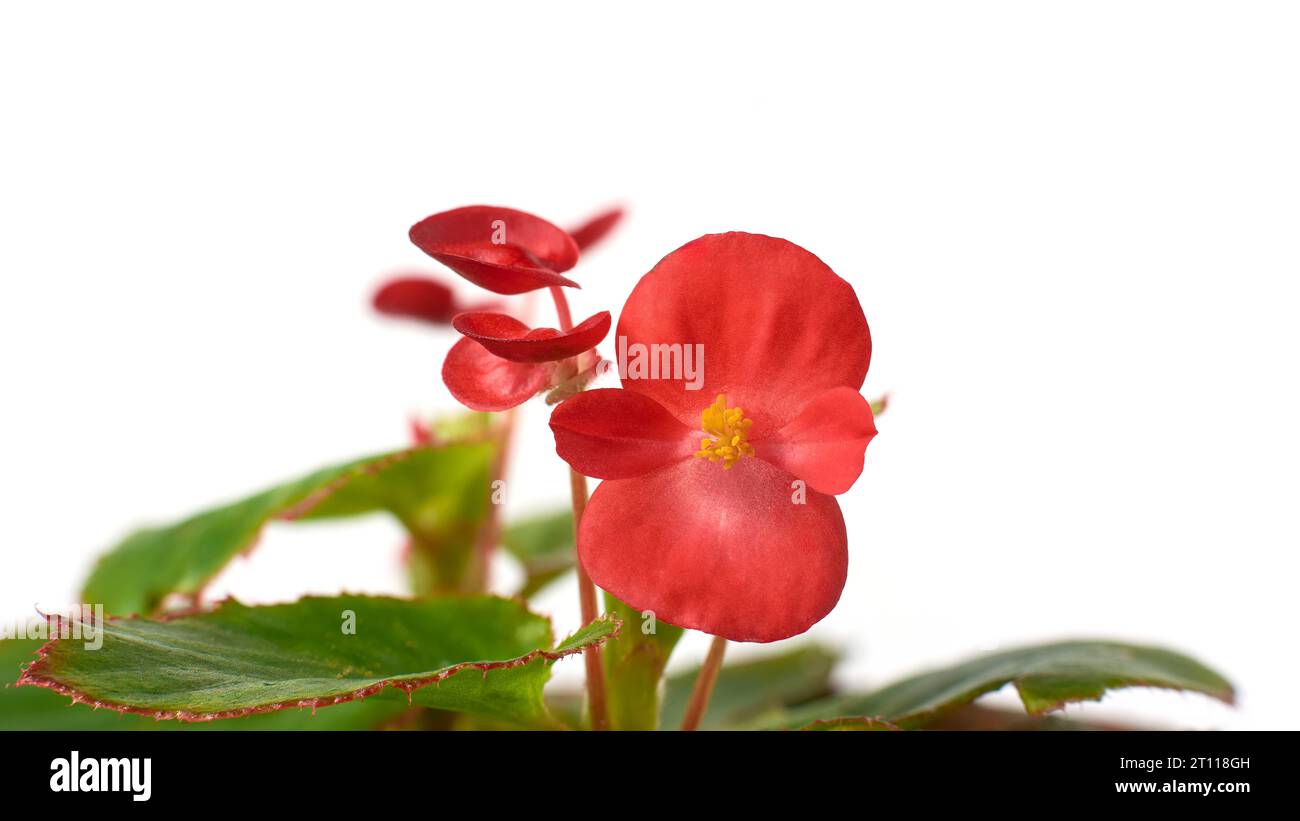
<point x="511" y="339"/>
<point x="717" y="510"/>
<point x="500" y="249"/>
<point x="413" y="296"/>
<point x="594" y="230"/>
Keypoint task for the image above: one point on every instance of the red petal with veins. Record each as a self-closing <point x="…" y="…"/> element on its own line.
<point x="616" y="434"/>
<point x="825" y="444"/>
<point x="725" y="552"/>
<point x="416" y="298"/>
<point x="483" y="381"/>
<point x="511" y="339"/>
<point x="778" y="327"/>
<point x="594" y="230"/>
<point x="500" y="249"/>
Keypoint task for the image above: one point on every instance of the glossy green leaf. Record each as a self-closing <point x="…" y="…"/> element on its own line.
<point x="38" y="708"/>
<point x="634" y="666"/>
<point x="1047" y="676"/>
<point x="543" y="544"/>
<point x="27" y="708"/>
<point x="439" y="493"/>
<point x="748" y="689"/>
<point x="478" y="655"/>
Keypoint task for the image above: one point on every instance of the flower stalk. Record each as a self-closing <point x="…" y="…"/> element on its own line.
<point x="597" y="704"/>
<point x="703" y="689"/>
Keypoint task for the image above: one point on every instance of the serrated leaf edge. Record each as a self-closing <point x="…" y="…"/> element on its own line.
<point x="1228" y="696"/>
<point x="866" y="721"/>
<point x="35" y="675"/>
<point x="922" y="717"/>
<point x="315" y="499"/>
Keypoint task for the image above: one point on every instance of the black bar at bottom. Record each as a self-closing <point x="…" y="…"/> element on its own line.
<point x="235" y="771"/>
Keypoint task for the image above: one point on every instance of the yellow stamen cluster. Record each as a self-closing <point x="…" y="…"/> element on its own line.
<point x="728" y="431"/>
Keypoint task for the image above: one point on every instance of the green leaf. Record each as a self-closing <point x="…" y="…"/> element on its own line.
<point x="26" y="708"/>
<point x="479" y="655"/>
<point x="850" y="725"/>
<point x="462" y="425"/>
<point x="38" y="708"/>
<point x="543" y="544"/>
<point x="634" y="664"/>
<point x="752" y="688"/>
<point x="1047" y="676"/>
<point x="439" y="493"/>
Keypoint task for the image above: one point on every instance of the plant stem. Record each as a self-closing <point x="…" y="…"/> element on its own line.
<point x="562" y="308"/>
<point x="596" y="702"/>
<point x="704" y="684"/>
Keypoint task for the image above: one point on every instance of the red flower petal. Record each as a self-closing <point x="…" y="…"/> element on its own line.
<point x="416" y="298"/>
<point x="778" y="327"/>
<point x="594" y="230"/>
<point x="484" y="382"/>
<point x="420" y="297"/>
<point x="511" y="339"/>
<point x="725" y="552"/>
<point x="825" y="444"/>
<point x="616" y="434"/>
<point x="500" y="249"/>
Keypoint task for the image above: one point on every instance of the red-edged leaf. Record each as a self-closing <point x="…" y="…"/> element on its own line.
<point x="439" y="492"/>
<point x="475" y="654"/>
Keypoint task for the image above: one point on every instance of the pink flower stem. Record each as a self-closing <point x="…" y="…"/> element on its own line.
<point x="562" y="308"/>
<point x="703" y="689"/>
<point x="596" y="702"/>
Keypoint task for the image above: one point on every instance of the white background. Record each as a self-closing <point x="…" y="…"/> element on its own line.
<point x="1072" y="228"/>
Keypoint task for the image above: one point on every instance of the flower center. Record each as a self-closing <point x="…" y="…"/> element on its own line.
<point x="728" y="431"/>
